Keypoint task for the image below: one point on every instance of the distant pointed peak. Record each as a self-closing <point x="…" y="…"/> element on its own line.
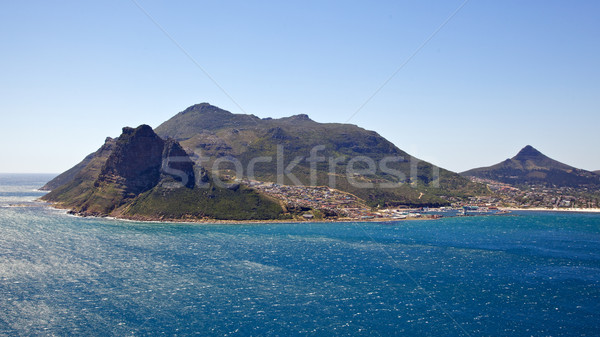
<point x="528" y="152"/>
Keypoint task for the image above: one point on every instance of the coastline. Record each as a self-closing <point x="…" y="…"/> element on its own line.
<point x="208" y="221"/>
<point x="542" y="209"/>
<point x="57" y="206"/>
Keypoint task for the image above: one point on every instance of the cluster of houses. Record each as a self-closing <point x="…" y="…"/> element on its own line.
<point x="329" y="201"/>
<point x="541" y="196"/>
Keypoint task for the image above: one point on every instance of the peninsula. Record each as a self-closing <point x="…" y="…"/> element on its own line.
<point x="206" y="163"/>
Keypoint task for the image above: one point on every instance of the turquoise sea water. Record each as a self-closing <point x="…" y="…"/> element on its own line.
<point x="531" y="274"/>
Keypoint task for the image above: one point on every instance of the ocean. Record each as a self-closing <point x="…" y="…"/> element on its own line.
<point x="524" y="274"/>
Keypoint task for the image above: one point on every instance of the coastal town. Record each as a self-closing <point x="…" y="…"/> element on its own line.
<point x="322" y="203"/>
<point x="325" y="203"/>
<point x="539" y="196"/>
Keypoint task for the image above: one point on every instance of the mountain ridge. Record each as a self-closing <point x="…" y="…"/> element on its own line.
<point x="203" y="162"/>
<point x="212" y="133"/>
<point x="530" y="166"/>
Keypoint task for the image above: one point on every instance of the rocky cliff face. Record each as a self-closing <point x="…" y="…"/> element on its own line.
<point x="135" y="162"/>
<point x="122" y="169"/>
<point x="176" y="165"/>
<point x="141" y="176"/>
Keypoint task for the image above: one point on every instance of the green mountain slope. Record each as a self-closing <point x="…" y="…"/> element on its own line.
<point x="297" y="150"/>
<point x="141" y="176"/>
<point x="530" y="167"/>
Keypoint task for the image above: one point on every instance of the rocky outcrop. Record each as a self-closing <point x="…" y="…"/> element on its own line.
<point x="142" y="176"/>
<point x="136" y="161"/>
<point x="176" y="165"/>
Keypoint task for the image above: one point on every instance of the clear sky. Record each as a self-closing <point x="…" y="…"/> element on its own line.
<point x="498" y="75"/>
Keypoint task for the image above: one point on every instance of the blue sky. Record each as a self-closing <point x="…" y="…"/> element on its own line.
<point x="497" y="76"/>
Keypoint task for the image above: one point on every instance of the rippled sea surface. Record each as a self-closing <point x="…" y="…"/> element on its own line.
<point x="528" y="274"/>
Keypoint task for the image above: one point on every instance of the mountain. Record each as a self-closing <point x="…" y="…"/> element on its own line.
<point x="597" y="172"/>
<point x="299" y="151"/>
<point x="208" y="163"/>
<point x="531" y="167"/>
<point x="141" y="176"/>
